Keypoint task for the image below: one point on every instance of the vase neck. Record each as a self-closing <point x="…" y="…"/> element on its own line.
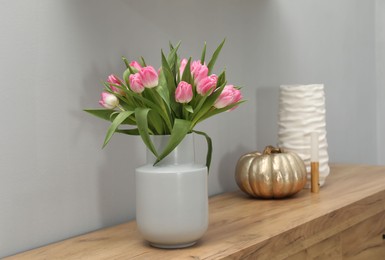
<point x="182" y="154"/>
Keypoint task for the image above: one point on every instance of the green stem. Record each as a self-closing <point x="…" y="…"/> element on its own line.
<point x="120" y="107"/>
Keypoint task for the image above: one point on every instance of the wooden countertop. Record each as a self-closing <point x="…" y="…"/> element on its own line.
<point x="241" y="227"/>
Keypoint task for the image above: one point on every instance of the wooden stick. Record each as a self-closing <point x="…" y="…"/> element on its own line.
<point x="314" y="169"/>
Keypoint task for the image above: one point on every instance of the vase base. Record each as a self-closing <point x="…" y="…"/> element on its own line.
<point x="173" y="246"/>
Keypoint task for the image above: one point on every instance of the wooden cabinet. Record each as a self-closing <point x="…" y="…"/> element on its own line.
<point x="361" y="241"/>
<point x="365" y="240"/>
<point x="346" y="220"/>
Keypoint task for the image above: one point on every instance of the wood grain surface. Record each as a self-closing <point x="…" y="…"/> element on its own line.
<point x="345" y="220"/>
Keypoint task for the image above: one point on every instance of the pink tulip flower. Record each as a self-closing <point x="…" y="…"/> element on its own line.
<point x="135" y="65"/>
<point x="199" y="71"/>
<point x="228" y="96"/>
<point x="207" y="85"/>
<point x="112" y="79"/>
<point x="182" y="66"/>
<point x="149" y="77"/>
<point x="183" y="92"/>
<point x="108" y="100"/>
<point x="237" y="97"/>
<point x="136" y="84"/>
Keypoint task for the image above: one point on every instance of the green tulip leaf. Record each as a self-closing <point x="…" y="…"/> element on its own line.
<point x="168" y="74"/>
<point x="126" y="77"/>
<point x="142" y="62"/>
<point x="203" y="56"/>
<point x="189" y="109"/>
<point x="172" y="56"/>
<point x="126" y="62"/>
<point x="219" y="110"/>
<point x="221" y="79"/>
<point x="101" y="113"/>
<point x="180" y="130"/>
<point x="186" y="76"/>
<point x="170" y="79"/>
<point x="164" y="94"/>
<point x="213" y="59"/>
<point x="207" y="105"/>
<point x="134" y="131"/>
<point x="209" y="148"/>
<point x="115" y="124"/>
<point x="141" y="119"/>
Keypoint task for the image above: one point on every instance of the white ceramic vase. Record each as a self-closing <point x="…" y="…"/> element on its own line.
<point x="171" y="197"/>
<point x="301" y="113"/>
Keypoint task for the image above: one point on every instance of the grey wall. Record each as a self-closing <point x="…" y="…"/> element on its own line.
<point x="380" y="77"/>
<point x="320" y="42"/>
<point x="56" y="182"/>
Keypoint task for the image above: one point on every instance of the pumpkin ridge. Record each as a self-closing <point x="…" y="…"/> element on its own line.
<point x="244" y="185"/>
<point x="253" y="178"/>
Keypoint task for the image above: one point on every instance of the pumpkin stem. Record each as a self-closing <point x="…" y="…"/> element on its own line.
<point x="271" y="149"/>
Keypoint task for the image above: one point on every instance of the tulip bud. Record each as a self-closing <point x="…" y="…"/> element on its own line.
<point x="183" y="92"/>
<point x="108" y="100"/>
<point x="228" y="96"/>
<point x="198" y="71"/>
<point x="149" y="77"/>
<point x="207" y="85"/>
<point x="237" y="97"/>
<point x="136" y="84"/>
<point x="135" y="65"/>
<point x="112" y="79"/>
<point x="182" y="66"/>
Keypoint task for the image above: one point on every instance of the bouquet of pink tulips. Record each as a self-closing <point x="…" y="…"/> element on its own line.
<point x="170" y="101"/>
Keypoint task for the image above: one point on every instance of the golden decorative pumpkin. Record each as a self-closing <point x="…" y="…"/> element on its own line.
<point x="272" y="174"/>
